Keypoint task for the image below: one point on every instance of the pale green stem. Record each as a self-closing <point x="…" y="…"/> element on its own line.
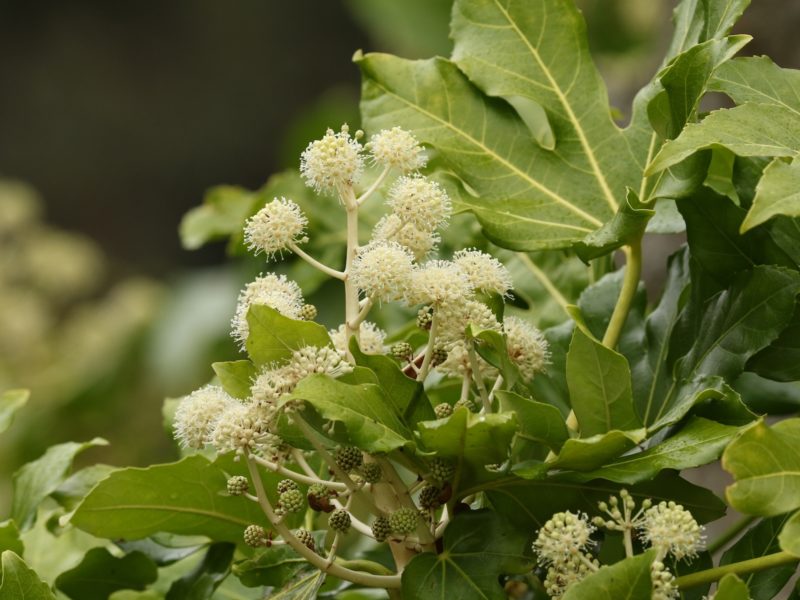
<point x="350" y="292"/>
<point x="299" y="477"/>
<point x="335" y="569"/>
<point x="476" y="375"/>
<point x="297" y="456"/>
<point x="630" y="283"/>
<point x="498" y="383"/>
<point x="746" y="566"/>
<point x="465" y="385"/>
<point x="315" y="263"/>
<point x="426" y="362"/>
<point x="365" y="308"/>
<point x="730" y="533"/>
<point x="371" y="189"/>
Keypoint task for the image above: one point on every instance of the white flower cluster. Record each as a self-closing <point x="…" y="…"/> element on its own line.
<point x="197" y="415"/>
<point x="334" y="161"/>
<point x="562" y="546"/>
<point x="397" y="148"/>
<point x="371" y="338"/>
<point x="527" y="347"/>
<point x="275" y="291"/>
<point x="671" y="529"/>
<point x="383" y="271"/>
<point x="275" y="227"/>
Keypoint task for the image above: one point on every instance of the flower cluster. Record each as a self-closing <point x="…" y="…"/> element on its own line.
<point x="562" y="546"/>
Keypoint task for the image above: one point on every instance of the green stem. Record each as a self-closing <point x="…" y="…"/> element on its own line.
<point x="426" y="362"/>
<point x="746" y="566"/>
<point x="730" y="533"/>
<point x="367" y="566"/>
<point x="633" y="269"/>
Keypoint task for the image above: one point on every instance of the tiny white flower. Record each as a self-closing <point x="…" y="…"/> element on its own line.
<point x="527" y="347"/>
<point x="275" y="291"/>
<point x="197" y="414"/>
<point x="565" y="535"/>
<point x="663" y="582"/>
<point x="240" y="428"/>
<point x="382" y="270"/>
<point x="419" y="241"/>
<point x="485" y="272"/>
<point x="270" y="384"/>
<point x="439" y="282"/>
<point x="420" y="201"/>
<point x="333" y="161"/>
<point x="370" y="338"/>
<point x="397" y="148"/>
<point x="276" y="226"/>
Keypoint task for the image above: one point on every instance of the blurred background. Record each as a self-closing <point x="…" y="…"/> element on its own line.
<point x="116" y="117"/>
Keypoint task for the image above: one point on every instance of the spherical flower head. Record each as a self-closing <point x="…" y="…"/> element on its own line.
<point x="382" y="270"/>
<point x="663" y="581"/>
<point x="272" y="290"/>
<point x="397" y="148"/>
<point x="420" y="201"/>
<point x="564" y="536"/>
<point x="420" y="242"/>
<point x="484" y="271"/>
<point x="527" y="347"/>
<point x="309" y="360"/>
<point x="454" y="318"/>
<point x="275" y="227"/>
<point x="563" y="575"/>
<point x="458" y="363"/>
<point x="370" y="338"/>
<point x="270" y="384"/>
<point x="332" y="162"/>
<point x="198" y="413"/>
<point x="671" y="529"/>
<point x="439" y="282"/>
<point x="240" y="429"/>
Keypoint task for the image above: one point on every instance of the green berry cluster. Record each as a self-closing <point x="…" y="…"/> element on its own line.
<point x="255" y="536"/>
<point x="284" y="485"/>
<point x="424" y="317"/>
<point x="308" y="312"/>
<point x="429" y="497"/>
<point x="441" y="470"/>
<point x="340" y="520"/>
<point x="349" y="458"/>
<point x="291" y="501"/>
<point x="306" y="538"/>
<point x="381" y="529"/>
<point x="371" y="472"/>
<point x="238" y="485"/>
<point x="443" y="410"/>
<point x="402" y="351"/>
<point x="439" y="356"/>
<point x="403" y="521"/>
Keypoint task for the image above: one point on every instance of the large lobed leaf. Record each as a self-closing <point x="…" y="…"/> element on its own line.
<point x="19" y="582"/>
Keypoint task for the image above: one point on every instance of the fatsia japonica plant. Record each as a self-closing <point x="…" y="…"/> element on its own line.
<point x="430" y="441"/>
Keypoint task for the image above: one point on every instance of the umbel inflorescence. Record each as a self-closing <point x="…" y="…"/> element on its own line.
<point x="447" y="298"/>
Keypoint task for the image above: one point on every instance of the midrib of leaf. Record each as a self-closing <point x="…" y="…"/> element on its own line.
<point x="466" y="577"/>
<point x="510" y="166"/>
<point x="637" y="459"/>
<point x="598" y="173"/>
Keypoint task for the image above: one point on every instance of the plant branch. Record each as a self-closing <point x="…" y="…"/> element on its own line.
<point x="633" y="270"/>
<point x="476" y="375"/>
<point x="371" y="189"/>
<point x="315" y="263"/>
<point x="746" y="566"/>
<point x="335" y="569"/>
<point x="426" y="362"/>
<point x="365" y="308"/>
<point x="298" y="476"/>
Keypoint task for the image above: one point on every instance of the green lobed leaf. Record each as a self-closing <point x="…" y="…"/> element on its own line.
<point x="270" y="567"/>
<point x="100" y="574"/>
<point x="731" y="587"/>
<point x="470" y="440"/>
<point x="19" y="582"/>
<point x="765" y="463"/>
<point x="780" y="360"/>
<point x="789" y="538"/>
<point x="746" y="130"/>
<point x="761" y="540"/>
<point x="684" y="82"/>
<point x="479" y="547"/>
<point x="625" y="227"/>
<point x="202" y="581"/>
<point x="538" y="422"/>
<point x="529" y="198"/>
<point x="10" y="402"/>
<point x="758" y="79"/>
<point x="372" y="422"/>
<point x="273" y="337"/>
<point x="628" y="579"/>
<point x="697" y="443"/>
<point x="599" y="382"/>
<point x="9" y="538"/>
<point x="236" y="377"/>
<point x="778" y="193"/>
<point x="74" y="489"/>
<point x="185" y="497"/>
<point x="491" y="346"/>
<point x="530" y="503"/>
<point x="699" y="20"/>
<point x="36" y="480"/>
